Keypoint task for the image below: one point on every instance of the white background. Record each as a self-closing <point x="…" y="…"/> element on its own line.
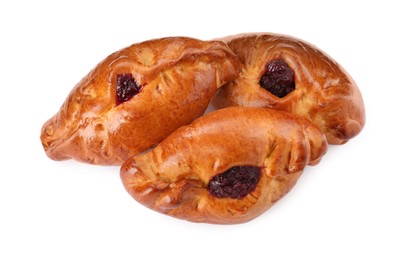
<point x="348" y="207"/>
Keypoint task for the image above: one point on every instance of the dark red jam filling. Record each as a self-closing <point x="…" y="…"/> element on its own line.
<point x="278" y="78"/>
<point x="126" y="88"/>
<point x="235" y="183"/>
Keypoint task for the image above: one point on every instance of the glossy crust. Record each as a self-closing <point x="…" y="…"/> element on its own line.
<point x="325" y="94"/>
<point x="178" y="76"/>
<point x="172" y="177"/>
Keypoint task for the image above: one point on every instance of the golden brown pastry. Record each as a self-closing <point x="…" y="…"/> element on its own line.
<point x="228" y="166"/>
<point x="288" y="74"/>
<point x="136" y="97"/>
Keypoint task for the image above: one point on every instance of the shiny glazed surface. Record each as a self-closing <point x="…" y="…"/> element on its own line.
<point x="173" y="177"/>
<point x="324" y="92"/>
<point x="178" y="76"/>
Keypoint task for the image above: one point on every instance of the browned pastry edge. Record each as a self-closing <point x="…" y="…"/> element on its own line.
<point x="324" y="92"/>
<point x="172" y="178"/>
<point x="177" y="75"/>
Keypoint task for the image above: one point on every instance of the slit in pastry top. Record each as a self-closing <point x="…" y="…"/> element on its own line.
<point x="126" y="88"/>
<point x="278" y="78"/>
<point x="235" y="183"/>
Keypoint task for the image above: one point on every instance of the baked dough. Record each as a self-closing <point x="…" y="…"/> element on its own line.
<point x="162" y="85"/>
<point x="324" y="92"/>
<point x="175" y="177"/>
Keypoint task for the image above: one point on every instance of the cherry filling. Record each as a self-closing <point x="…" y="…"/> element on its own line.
<point x="235" y="183"/>
<point x="126" y="88"/>
<point x="278" y="78"/>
